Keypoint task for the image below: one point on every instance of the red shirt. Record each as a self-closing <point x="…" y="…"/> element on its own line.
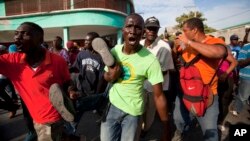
<point x="33" y="86"/>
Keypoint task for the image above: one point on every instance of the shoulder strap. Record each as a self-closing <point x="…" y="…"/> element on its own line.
<point x="219" y="65"/>
<point x="194" y="60"/>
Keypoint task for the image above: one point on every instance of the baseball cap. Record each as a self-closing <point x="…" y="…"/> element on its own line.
<point x="152" y="22"/>
<point x="70" y="44"/>
<point x="234" y="37"/>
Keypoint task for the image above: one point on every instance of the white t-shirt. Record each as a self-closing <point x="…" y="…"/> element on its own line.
<point x="162" y="51"/>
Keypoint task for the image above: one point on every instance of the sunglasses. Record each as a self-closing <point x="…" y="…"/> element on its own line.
<point x="151" y="28"/>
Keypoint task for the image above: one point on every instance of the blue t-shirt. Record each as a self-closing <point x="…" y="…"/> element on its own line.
<point x="244" y="54"/>
<point x="235" y="51"/>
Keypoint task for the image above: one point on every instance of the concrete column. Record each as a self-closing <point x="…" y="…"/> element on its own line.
<point x="71" y="4"/>
<point x="65" y="36"/>
<point x="2" y="8"/>
<point x="119" y="36"/>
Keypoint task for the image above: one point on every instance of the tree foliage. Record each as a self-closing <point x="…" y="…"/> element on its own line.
<point x="193" y="14"/>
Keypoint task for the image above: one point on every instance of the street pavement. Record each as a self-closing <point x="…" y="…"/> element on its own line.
<point x="14" y="129"/>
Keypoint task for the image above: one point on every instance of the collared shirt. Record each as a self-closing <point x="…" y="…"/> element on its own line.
<point x="33" y="86"/>
<point x="162" y="51"/>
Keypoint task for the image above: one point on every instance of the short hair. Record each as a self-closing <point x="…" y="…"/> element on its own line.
<point x="59" y="38"/>
<point x="34" y="26"/>
<point x="93" y="34"/>
<point x="138" y="15"/>
<point x="222" y="37"/>
<point x="195" y="23"/>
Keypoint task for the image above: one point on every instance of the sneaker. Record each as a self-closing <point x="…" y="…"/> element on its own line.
<point x="61" y="102"/>
<point x="177" y="136"/>
<point x="100" y="46"/>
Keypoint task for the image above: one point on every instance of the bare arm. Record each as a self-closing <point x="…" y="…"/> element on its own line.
<point x="246" y="36"/>
<point x="209" y="51"/>
<point x="161" y="106"/>
<point x="244" y="63"/>
<point x="233" y="64"/>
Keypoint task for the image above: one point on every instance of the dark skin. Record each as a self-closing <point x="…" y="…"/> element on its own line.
<point x="244" y="63"/>
<point x="245" y="41"/>
<point x="57" y="44"/>
<point x="194" y="38"/>
<point x="87" y="43"/>
<point x="151" y="34"/>
<point x="28" y="41"/>
<point x="132" y="33"/>
<point x="234" y="42"/>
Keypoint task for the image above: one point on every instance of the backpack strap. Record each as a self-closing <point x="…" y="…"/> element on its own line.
<point x="219" y="64"/>
<point x="194" y="60"/>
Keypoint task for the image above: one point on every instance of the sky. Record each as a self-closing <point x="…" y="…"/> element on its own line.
<point x="220" y="14"/>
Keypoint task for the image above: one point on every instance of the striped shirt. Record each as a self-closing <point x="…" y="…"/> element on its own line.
<point x="244" y="54"/>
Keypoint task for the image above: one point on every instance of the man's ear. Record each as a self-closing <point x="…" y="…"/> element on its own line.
<point x="195" y="30"/>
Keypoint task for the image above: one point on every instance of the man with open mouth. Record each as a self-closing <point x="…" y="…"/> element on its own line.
<point x="134" y="64"/>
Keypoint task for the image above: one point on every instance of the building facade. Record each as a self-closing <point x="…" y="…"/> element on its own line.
<point x="237" y="29"/>
<point x="70" y="19"/>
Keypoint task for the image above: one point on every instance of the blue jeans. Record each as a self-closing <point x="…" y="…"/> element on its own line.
<point x="208" y="122"/>
<point x="119" y="126"/>
<point x="243" y="94"/>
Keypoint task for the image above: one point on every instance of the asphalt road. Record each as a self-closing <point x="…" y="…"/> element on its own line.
<point x="15" y="130"/>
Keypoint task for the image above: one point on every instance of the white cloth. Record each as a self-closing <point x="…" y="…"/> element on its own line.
<point x="163" y="53"/>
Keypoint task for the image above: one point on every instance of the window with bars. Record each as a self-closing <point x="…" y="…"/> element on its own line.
<point x="19" y="7"/>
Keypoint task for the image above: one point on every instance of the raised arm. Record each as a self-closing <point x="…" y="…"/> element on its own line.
<point x="207" y="50"/>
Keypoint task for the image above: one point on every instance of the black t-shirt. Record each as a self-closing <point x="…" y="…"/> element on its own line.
<point x="91" y="68"/>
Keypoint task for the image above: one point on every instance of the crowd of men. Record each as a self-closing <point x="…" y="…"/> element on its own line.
<point x="139" y="77"/>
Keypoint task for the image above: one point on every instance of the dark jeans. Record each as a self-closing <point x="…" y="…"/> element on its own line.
<point x="8" y="106"/>
<point x="93" y="102"/>
<point x="6" y="84"/>
<point x="27" y="118"/>
<point x="225" y="92"/>
<point x="8" y="103"/>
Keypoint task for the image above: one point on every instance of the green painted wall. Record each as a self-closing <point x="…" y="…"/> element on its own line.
<point x="2" y="8"/>
<point x="66" y="19"/>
